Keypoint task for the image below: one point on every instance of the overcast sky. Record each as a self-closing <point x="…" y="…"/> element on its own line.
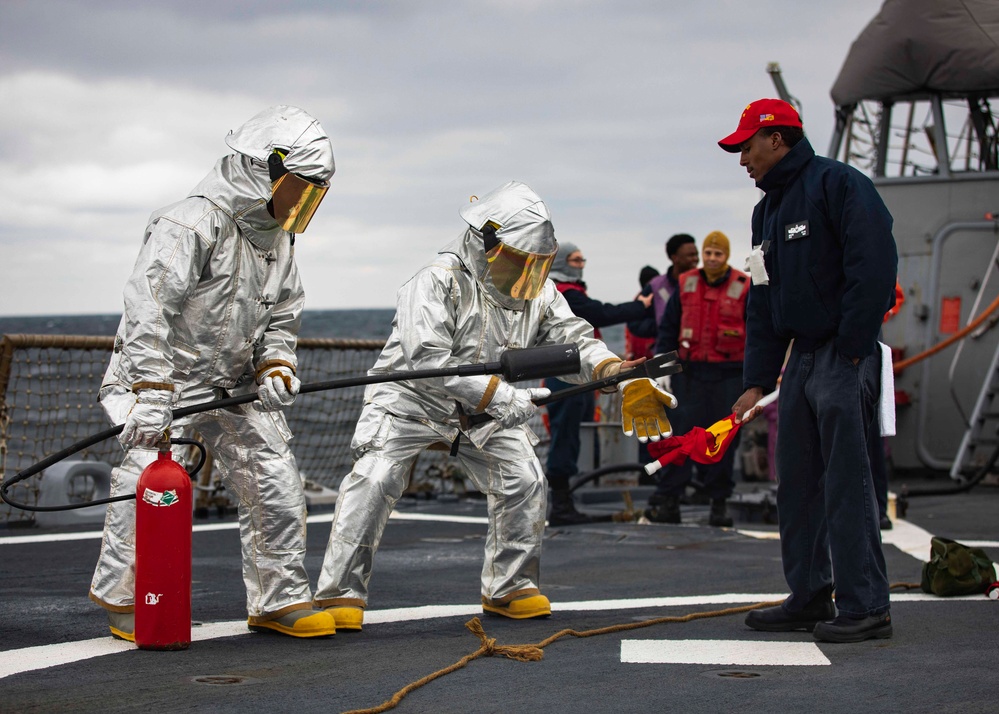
<point x="610" y="110"/>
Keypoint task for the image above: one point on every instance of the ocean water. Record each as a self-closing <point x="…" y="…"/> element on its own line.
<point x="347" y="324"/>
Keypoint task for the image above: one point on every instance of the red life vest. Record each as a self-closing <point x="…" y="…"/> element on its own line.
<point x="562" y="287"/>
<point x="713" y="319"/>
<point x="635" y="347"/>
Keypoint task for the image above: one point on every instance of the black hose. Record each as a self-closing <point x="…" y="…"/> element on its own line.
<point x="603" y="471"/>
<point x="203" y="454"/>
<point x="514" y="365"/>
<point x="960" y="488"/>
<point x="659" y="366"/>
<point x="223" y="404"/>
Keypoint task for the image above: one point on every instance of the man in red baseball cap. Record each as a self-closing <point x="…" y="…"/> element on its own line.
<point x="760" y="151"/>
<point x="824" y="263"/>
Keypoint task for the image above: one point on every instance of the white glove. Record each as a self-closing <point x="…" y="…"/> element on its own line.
<point x="511" y="406"/>
<point x="278" y="388"/>
<point x="148" y="418"/>
<point x="642" y="409"/>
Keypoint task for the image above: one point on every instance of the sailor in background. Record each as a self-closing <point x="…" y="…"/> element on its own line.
<point x="484" y="293"/>
<point x="566" y="416"/>
<point x="212" y="309"/>
<point x="681" y="249"/>
<point x="705" y="321"/>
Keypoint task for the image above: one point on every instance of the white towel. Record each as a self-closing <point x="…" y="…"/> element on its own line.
<point x="755" y="267"/>
<point x="886" y="409"/>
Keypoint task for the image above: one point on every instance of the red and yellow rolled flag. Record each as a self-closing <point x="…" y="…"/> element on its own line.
<point x="705" y="446"/>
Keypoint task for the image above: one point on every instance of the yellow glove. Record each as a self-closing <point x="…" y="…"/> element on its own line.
<point x="642" y="410"/>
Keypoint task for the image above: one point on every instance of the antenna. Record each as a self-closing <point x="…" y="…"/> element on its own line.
<point x="773" y="69"/>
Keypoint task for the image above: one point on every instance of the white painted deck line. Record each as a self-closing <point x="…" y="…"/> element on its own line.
<point x="50" y="538"/>
<point x="402" y="516"/>
<point x="722" y="652"/>
<point x="426" y="612"/>
<point x="437" y="519"/>
<point x="33" y="658"/>
<point x="981" y="544"/>
<point x="29" y="659"/>
<point x="674" y="601"/>
<point x="203" y="527"/>
<point x="908" y="538"/>
<point x="96" y="535"/>
<point x="759" y="535"/>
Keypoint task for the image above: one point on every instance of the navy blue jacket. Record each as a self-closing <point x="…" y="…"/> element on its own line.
<point x="602" y="314"/>
<point x="831" y="260"/>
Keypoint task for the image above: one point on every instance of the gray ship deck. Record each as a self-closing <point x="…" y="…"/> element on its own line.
<point x="55" y="654"/>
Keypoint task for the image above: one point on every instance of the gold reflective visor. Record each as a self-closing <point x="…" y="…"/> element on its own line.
<point x="516" y="273"/>
<point x="295" y="200"/>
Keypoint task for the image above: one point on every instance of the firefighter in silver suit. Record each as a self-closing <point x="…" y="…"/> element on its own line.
<point x="212" y="309"/>
<point x="485" y="293"/>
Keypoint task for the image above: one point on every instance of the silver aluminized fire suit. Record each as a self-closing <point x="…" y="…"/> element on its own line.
<point x="451" y="313"/>
<point x="215" y="297"/>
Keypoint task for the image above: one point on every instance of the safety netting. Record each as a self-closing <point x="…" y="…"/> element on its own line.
<point x="48" y="402"/>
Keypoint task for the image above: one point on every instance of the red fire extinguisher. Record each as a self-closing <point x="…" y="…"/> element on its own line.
<point x="163" y="505"/>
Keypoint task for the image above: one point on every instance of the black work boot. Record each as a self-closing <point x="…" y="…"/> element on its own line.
<point x="564" y="511"/>
<point x="663" y="509"/>
<point x="854" y="629"/>
<point x="719" y="517"/>
<point x="776" y="619"/>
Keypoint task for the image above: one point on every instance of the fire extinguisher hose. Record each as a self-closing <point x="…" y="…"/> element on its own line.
<point x="72" y="450"/>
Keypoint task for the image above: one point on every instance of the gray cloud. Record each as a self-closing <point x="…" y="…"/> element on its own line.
<point x="610" y="110"/>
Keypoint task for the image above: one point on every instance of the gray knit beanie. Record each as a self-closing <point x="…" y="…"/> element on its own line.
<point x="561" y="271"/>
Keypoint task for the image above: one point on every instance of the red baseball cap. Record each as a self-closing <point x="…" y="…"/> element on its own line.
<point x="761" y="113"/>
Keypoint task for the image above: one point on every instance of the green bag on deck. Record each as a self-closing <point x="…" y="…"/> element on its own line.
<point x="956" y="569"/>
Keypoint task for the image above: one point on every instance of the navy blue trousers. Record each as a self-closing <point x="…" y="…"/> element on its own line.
<point x="826" y="502"/>
<point x="879" y="467"/>
<point x="565" y="418"/>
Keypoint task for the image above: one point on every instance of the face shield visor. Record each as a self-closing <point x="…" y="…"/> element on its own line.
<point x="294" y="198"/>
<point x="517" y="273"/>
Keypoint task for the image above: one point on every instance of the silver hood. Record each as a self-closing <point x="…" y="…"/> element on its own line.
<point x="524" y="223"/>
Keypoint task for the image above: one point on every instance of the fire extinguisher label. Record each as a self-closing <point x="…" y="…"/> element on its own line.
<point x="155" y="498"/>
<point x="153" y="598"/>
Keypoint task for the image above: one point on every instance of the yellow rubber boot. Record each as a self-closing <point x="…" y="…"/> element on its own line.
<point x="347" y="618"/>
<point x="297" y="623"/>
<point x="122" y="625"/>
<point x="520" y="608"/>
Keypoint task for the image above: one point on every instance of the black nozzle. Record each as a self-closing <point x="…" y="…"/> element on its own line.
<point x="540" y="362"/>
